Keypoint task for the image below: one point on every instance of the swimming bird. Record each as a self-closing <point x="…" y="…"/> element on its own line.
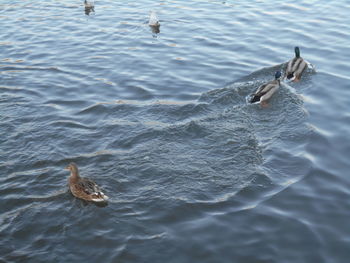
<point x="295" y="67"/>
<point x="84" y="188"/>
<point x="153" y="19"/>
<point x="265" y="91"/>
<point x="89" y="7"/>
<point x="154" y="23"/>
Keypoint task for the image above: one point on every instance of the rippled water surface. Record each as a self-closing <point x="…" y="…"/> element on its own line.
<point x="161" y="122"/>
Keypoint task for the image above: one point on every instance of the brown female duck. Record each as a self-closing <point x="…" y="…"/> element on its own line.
<point x="84" y="188"/>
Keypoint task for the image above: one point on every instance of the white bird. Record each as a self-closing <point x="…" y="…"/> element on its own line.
<point x="153" y="19"/>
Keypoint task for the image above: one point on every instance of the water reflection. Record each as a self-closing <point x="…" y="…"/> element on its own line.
<point x="100" y="204"/>
<point x="89" y="7"/>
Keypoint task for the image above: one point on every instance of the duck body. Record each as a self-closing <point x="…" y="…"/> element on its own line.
<point x="84" y="188"/>
<point x="295" y="67"/>
<point x="265" y="91"/>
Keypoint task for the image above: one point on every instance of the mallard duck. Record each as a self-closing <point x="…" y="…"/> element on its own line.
<point x="295" y="67"/>
<point x="265" y="91"/>
<point x="89" y="7"/>
<point x="84" y="188"/>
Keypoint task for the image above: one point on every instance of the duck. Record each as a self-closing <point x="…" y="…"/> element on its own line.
<point x="84" y="188"/>
<point x="295" y="67"/>
<point x="89" y="7"/>
<point x="265" y="91"/>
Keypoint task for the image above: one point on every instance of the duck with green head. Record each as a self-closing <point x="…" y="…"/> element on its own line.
<point x="265" y="91"/>
<point x="295" y="67"/>
<point x="84" y="188"/>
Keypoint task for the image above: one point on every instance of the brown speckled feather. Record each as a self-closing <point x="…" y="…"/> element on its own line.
<point x="84" y="188"/>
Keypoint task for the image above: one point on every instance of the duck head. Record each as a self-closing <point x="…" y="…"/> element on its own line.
<point x="73" y="168"/>
<point x="297" y="52"/>
<point x="278" y="74"/>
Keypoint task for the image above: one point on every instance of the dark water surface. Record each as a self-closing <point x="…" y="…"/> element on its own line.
<point x="160" y="121"/>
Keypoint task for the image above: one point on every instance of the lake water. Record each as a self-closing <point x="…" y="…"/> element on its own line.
<point x="160" y="120"/>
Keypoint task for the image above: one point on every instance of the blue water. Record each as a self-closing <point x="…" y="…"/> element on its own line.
<point x="161" y="122"/>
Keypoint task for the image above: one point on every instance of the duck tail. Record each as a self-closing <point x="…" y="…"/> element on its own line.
<point x="290" y="76"/>
<point x="255" y="99"/>
<point x="99" y="197"/>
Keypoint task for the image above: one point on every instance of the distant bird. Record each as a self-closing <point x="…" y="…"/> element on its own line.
<point x="89" y="7"/>
<point x="84" y="188"/>
<point x="265" y="91"/>
<point x="295" y="67"/>
<point x="154" y="23"/>
<point x="153" y="19"/>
